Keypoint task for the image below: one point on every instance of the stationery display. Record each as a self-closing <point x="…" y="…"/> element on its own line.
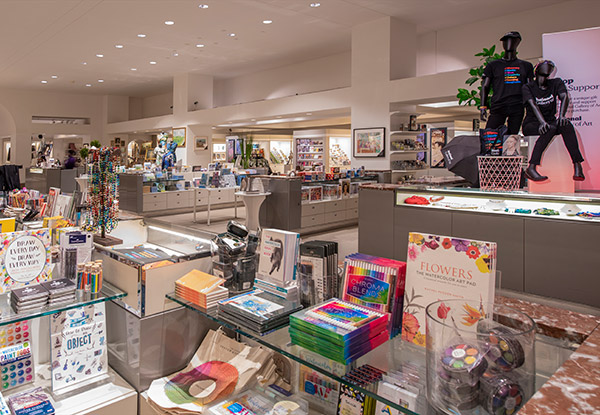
<point x="31" y="402"/>
<point x="143" y="256"/>
<point x="78" y="347"/>
<point x="376" y="283"/>
<point x="89" y="276"/>
<point x="474" y="360"/>
<point x="16" y="365"/>
<point x="202" y="289"/>
<point x="318" y="272"/>
<point x="353" y="401"/>
<point x="405" y="387"/>
<point x="26" y="258"/>
<point x="339" y="330"/>
<point x="258" y="311"/>
<point x="52" y="293"/>
<point x="441" y="267"/>
<point x="75" y="248"/>
<point x="278" y="255"/>
<point x="254" y="402"/>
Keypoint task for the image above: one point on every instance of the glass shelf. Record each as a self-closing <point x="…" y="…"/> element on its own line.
<point x="394" y="355"/>
<point x="8" y="315"/>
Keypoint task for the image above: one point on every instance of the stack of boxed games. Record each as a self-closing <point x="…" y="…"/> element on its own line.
<point x="29" y="298"/>
<point x="339" y="330"/>
<point x="259" y="311"/>
<point x="60" y="291"/>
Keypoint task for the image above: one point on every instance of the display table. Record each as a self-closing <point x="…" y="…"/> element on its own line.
<point x="554" y="334"/>
<point x="552" y="256"/>
<point x="42" y="179"/>
<point x="217" y="194"/>
<point x="252" y="202"/>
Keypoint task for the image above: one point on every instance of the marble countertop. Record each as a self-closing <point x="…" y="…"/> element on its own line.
<point x="575" y="386"/>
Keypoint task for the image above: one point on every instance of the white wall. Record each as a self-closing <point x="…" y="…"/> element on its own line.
<point x="453" y="48"/>
<point x="157" y="105"/>
<point x="301" y="78"/>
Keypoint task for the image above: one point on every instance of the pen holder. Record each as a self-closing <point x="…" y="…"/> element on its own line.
<point x="479" y="356"/>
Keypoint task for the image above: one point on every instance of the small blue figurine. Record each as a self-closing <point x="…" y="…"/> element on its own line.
<point x="169" y="159"/>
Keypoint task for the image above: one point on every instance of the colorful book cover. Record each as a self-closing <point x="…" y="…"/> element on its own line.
<point x="253" y="304"/>
<point x="440" y="268"/>
<point x="25" y="258"/>
<point x="343" y="314"/>
<point x="278" y="255"/>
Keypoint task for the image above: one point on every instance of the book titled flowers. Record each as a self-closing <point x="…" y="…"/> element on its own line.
<point x="440" y="268"/>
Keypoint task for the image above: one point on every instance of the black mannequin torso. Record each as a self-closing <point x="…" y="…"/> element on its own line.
<point x="505" y="77"/>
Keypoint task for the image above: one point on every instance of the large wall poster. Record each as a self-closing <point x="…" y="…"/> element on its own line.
<point x="574" y="54"/>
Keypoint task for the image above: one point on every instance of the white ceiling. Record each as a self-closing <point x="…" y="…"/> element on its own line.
<point x="41" y="38"/>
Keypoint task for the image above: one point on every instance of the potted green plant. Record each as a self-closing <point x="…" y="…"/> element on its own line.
<point x="471" y="97"/>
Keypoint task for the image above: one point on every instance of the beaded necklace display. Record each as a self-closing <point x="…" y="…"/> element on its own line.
<point x="103" y="193"/>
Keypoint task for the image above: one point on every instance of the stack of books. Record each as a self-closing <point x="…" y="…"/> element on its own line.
<point x="60" y="291"/>
<point x="339" y="330"/>
<point x="29" y="298"/>
<point x="318" y="272"/>
<point x="376" y="283"/>
<point x="201" y="289"/>
<point x="257" y="310"/>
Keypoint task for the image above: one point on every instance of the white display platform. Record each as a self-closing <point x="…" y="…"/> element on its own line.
<point x="109" y="398"/>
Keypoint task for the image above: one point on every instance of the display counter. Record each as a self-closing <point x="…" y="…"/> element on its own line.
<point x="307" y="207"/>
<point x="135" y="196"/>
<point x="42" y="179"/>
<point x="546" y="243"/>
<point x="150" y="335"/>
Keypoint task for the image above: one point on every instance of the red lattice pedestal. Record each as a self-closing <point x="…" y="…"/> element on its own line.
<point x="499" y="172"/>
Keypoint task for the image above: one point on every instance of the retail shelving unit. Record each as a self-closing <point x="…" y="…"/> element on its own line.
<point x="393" y="355"/>
<point x="109" y="395"/>
<point x="310" y="149"/>
<point x="408" y="149"/>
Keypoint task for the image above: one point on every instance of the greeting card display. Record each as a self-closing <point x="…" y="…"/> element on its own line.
<point x="78" y="343"/>
<point x="444" y="268"/>
<point x="25" y="258"/>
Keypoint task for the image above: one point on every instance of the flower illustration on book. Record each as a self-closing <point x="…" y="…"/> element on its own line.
<point x="483" y="264"/>
<point x="460" y="245"/>
<point x="472" y="315"/>
<point x="419" y="339"/>
<point x="410" y="327"/>
<point x="432" y="244"/>
<point x="412" y="253"/>
<point x="447" y="243"/>
<point x="473" y="252"/>
<point x="442" y="311"/>
<point x="416" y="238"/>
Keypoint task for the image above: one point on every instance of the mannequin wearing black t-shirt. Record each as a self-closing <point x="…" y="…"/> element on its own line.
<point x="506" y="78"/>
<point x="541" y="96"/>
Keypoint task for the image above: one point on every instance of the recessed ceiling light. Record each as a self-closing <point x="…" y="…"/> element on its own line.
<point x="84" y="63"/>
<point x="267" y="21"/>
<point x="88" y="84"/>
<point x="134" y="69"/>
<point x="199" y="45"/>
<point x="119" y="46"/>
<point x="99" y="55"/>
<point x="169" y="22"/>
<point x="203" y="6"/>
<point x="44" y="82"/>
<point x="232" y="35"/>
<point x="54" y="77"/>
<point x="175" y="54"/>
<point x="315" y="4"/>
<point x="100" y="80"/>
<point x="141" y="35"/>
<point x="152" y="63"/>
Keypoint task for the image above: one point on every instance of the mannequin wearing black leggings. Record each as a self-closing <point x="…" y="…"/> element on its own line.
<point x="541" y="96"/>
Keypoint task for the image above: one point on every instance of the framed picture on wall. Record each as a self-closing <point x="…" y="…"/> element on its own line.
<point x="201" y="143"/>
<point x="368" y="142"/>
<point x="179" y="136"/>
<point x="439" y="138"/>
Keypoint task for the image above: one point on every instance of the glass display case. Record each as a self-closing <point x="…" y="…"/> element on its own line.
<point x="394" y="356"/>
<point x="573" y="207"/>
